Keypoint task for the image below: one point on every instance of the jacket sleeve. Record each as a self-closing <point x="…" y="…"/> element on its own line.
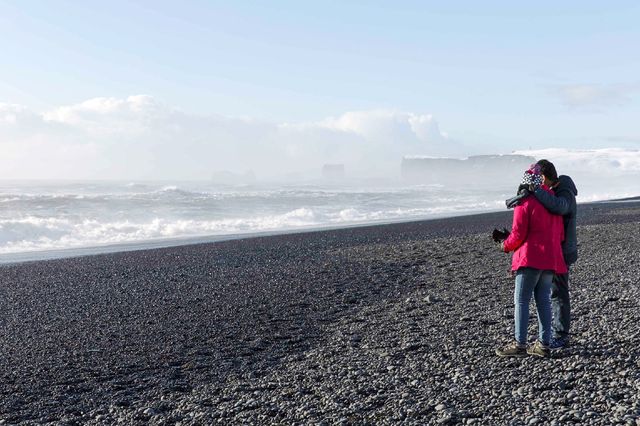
<point x="554" y="204"/>
<point x="561" y="230"/>
<point x="519" y="229"/>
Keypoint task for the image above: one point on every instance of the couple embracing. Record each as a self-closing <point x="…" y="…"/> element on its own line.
<point x="543" y="239"/>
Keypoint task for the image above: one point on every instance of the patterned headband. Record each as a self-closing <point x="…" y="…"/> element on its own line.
<point x="532" y="176"/>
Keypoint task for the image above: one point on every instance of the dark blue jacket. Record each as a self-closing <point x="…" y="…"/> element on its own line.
<point x="563" y="202"/>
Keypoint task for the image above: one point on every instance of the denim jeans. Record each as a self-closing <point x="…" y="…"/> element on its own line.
<point x="536" y="282"/>
<point x="561" y="306"/>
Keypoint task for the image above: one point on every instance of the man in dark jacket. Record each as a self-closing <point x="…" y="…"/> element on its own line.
<point x="561" y="202"/>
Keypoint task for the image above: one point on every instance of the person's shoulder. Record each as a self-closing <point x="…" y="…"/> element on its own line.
<point x="545" y="188"/>
<point x="542" y="189"/>
<point x="532" y="203"/>
<point x="566" y="184"/>
<point x="528" y="201"/>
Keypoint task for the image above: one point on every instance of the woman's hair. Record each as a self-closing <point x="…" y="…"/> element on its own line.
<point x="548" y="170"/>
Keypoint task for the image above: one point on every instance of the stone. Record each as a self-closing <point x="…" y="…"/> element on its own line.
<point x="150" y="412"/>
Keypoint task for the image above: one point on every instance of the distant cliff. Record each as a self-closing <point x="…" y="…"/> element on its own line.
<point x="476" y="169"/>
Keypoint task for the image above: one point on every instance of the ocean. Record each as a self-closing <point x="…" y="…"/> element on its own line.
<point x="55" y="215"/>
<point x="38" y="216"/>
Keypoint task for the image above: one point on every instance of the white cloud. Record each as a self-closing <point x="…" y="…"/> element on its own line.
<point x="369" y="139"/>
<point x="593" y="95"/>
<point x="108" y="116"/>
<point x="18" y="120"/>
<point x="140" y="137"/>
<point x="388" y="125"/>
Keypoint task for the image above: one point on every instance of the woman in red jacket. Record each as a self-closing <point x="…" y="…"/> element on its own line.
<point x="536" y="238"/>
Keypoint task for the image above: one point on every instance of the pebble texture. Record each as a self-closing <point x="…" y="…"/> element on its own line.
<point x="374" y="325"/>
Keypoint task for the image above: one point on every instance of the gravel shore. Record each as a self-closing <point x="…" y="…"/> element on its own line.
<point x="374" y="325"/>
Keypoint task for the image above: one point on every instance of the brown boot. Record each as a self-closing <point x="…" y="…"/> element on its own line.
<point x="513" y="349"/>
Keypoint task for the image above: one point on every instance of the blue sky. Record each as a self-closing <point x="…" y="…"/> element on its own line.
<point x="493" y="75"/>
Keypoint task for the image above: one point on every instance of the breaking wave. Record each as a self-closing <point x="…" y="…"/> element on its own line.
<point x="33" y="233"/>
<point x="74" y="216"/>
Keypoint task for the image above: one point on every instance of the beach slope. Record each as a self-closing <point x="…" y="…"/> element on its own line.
<point x="380" y="324"/>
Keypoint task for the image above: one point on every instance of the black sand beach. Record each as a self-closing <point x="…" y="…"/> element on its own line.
<point x="373" y="325"/>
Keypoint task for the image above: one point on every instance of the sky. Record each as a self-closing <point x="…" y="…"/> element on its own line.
<point x="164" y="89"/>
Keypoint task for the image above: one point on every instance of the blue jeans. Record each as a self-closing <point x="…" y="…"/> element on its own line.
<point x="536" y="282"/>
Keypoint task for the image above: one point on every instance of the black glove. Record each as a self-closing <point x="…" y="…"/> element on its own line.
<point x="523" y="192"/>
<point x="515" y="201"/>
<point x="525" y="189"/>
<point x="500" y="236"/>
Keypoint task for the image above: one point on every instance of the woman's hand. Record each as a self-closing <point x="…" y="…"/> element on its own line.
<point x="499" y="236"/>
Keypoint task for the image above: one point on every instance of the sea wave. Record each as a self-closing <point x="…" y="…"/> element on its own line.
<point x="34" y="233"/>
<point x="75" y="215"/>
<point x="353" y="215"/>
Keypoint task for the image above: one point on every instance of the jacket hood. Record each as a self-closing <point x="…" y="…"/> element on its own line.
<point x="566" y="184"/>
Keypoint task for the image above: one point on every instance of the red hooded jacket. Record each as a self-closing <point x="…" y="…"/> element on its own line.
<point x="536" y="237"/>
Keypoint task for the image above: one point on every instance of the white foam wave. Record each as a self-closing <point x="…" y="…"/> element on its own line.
<point x="34" y="233"/>
<point x="353" y="215"/>
<point x="8" y="199"/>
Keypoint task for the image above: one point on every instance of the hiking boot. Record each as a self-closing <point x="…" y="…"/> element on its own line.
<point x="514" y="349"/>
<point x="538" y="349"/>
<point x="558" y="343"/>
